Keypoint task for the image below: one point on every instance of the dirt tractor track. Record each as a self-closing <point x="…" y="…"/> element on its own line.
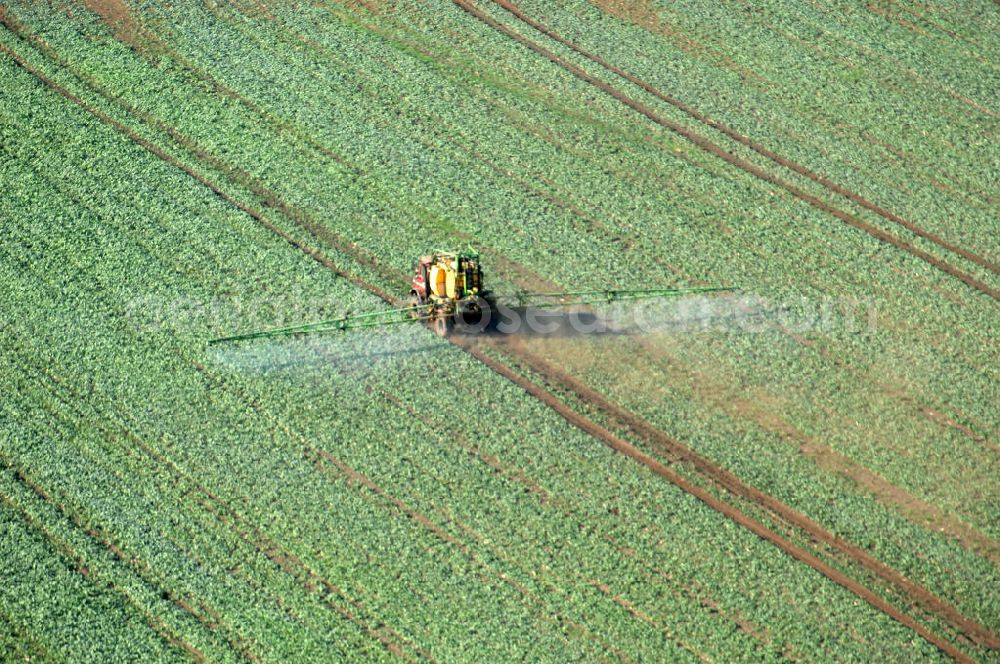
<point x="716" y="150"/>
<point x="785" y="162"/>
<point x="555" y="382"/>
<point x="118" y="433"/>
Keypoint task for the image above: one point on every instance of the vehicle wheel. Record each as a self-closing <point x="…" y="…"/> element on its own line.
<point x="443" y="325"/>
<point x="415" y="314"/>
<point x="474" y="318"/>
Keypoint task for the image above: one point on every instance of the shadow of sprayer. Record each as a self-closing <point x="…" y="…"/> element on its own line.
<point x="621" y="318"/>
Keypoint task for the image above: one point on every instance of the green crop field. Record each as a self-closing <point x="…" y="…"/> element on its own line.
<point x="806" y="468"/>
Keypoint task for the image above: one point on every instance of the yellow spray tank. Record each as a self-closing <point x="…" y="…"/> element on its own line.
<point x="446" y="281"/>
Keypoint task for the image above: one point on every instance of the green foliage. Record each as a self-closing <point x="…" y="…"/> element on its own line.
<point x="362" y="496"/>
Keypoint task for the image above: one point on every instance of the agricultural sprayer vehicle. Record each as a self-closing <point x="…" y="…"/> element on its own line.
<point x="447" y="290"/>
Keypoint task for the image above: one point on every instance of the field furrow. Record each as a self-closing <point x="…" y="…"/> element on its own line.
<point x="801" y="469"/>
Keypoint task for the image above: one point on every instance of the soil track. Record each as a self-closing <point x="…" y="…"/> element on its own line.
<point x="565" y="411"/>
<point x="754" y="408"/>
<point x="674" y="449"/>
<point x="515" y="11"/>
<point x="162" y="154"/>
<point x="311" y="581"/>
<point x="325" y="462"/>
<point x="712" y="148"/>
<point x="155" y="624"/>
<point x="734" y="514"/>
<point x="654" y="575"/>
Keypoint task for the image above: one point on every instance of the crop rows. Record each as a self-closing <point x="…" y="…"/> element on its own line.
<point x="524" y="518"/>
<point x="844" y="109"/>
<point x="97" y="462"/>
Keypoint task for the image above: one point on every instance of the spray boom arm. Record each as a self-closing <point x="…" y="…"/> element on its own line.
<point x="411" y="314"/>
<point x="604" y="296"/>
<point x="348" y="322"/>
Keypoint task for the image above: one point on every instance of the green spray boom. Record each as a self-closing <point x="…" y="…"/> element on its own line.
<point x="434" y="312"/>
